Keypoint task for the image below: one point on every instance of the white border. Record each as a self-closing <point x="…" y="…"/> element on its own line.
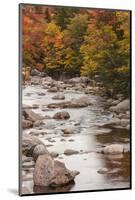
<point x="9" y="97"/>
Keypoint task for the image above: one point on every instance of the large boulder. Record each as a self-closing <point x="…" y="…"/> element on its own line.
<point x="50" y="172"/>
<point x="30" y="115"/>
<point x="121" y="107"/>
<point x="113" y="149"/>
<point x="29" y="143"/>
<point x="61" y="115"/>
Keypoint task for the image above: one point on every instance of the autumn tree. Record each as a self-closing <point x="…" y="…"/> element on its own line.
<point x="73" y="39"/>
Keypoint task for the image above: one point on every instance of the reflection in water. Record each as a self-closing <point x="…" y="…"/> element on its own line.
<point x="118" y="166"/>
<point x="41" y="189"/>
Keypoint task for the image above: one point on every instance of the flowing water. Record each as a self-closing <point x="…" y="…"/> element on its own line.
<point x="89" y="138"/>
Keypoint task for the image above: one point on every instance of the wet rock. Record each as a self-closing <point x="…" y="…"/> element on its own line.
<point x="39" y="123"/>
<point x="61" y="115"/>
<point x="59" y="97"/>
<point x="70" y="152"/>
<point x="26" y="124"/>
<point x="113" y="149"/>
<point x="41" y="94"/>
<point x="32" y="116"/>
<point x="54" y="154"/>
<point x="102" y="170"/>
<point x="29" y="143"/>
<point x="39" y="150"/>
<point x="68" y="131"/>
<point x="53" y="89"/>
<point x="121" y="107"/>
<point x="62" y="140"/>
<point x="71" y="140"/>
<point x="49" y="172"/>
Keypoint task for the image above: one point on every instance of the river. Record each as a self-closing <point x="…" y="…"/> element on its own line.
<point x="88" y="138"/>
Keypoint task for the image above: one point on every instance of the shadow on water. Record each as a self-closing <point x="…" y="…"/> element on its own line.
<point x="118" y="165"/>
<point x="41" y="189"/>
<point x="115" y="136"/>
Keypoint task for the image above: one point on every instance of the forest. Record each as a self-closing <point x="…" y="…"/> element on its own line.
<point x="73" y="42"/>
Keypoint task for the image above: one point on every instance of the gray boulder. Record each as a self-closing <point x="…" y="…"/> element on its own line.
<point x="39" y="149"/>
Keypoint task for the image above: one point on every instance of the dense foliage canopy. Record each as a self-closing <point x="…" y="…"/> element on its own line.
<point x="78" y="42"/>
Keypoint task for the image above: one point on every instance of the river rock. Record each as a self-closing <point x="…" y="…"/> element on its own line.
<point x="121" y="107"/>
<point x="59" y="97"/>
<point x="113" y="149"/>
<point x="40" y="149"/>
<point x="53" y="89"/>
<point x="70" y="152"/>
<point x="67" y="131"/>
<point x="49" y="172"/>
<point x="81" y="102"/>
<point x="39" y="123"/>
<point x="102" y="170"/>
<point x="26" y="124"/>
<point x="29" y="143"/>
<point x="32" y="116"/>
<point x="61" y="115"/>
<point x="54" y="154"/>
